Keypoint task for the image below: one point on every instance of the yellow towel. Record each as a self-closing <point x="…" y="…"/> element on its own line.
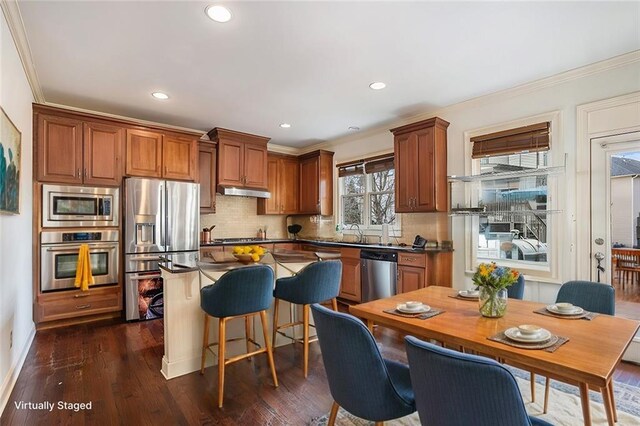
<point x="84" y="278"/>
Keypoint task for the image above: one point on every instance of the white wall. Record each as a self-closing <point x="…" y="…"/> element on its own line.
<point x="563" y="94"/>
<point x="15" y="230"/>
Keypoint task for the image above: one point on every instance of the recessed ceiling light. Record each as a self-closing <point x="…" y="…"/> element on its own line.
<point x="160" y="95"/>
<point x="285" y="125"/>
<point x="218" y="13"/>
<point x="354" y="128"/>
<point x="378" y="85"/>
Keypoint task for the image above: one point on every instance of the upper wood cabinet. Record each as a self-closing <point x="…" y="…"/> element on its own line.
<point x="282" y="183"/>
<point x="179" y="158"/>
<point x="144" y="153"/>
<point x="207" y="177"/>
<point x="70" y="150"/>
<point x="316" y="183"/>
<point x="83" y="148"/>
<point x="421" y="166"/>
<point x="242" y="159"/>
<point x="154" y="154"/>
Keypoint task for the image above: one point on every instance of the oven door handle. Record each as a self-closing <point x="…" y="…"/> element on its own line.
<point x="144" y="277"/>
<point x="74" y="248"/>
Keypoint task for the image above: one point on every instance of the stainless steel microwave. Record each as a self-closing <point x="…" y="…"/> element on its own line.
<point x="79" y="206"/>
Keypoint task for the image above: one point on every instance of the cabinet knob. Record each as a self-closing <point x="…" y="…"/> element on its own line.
<point x="78" y="172"/>
<point x="85" y="172"/>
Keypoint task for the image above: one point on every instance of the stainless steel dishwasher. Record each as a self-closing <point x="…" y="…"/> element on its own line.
<point x="379" y="274"/>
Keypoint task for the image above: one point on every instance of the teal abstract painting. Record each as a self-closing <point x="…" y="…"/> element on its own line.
<point x="10" y="155"/>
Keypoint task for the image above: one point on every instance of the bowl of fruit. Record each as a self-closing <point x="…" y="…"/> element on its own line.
<point x="248" y="254"/>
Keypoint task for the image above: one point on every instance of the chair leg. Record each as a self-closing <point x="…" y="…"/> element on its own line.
<point x="333" y="414"/>
<point x="334" y="304"/>
<point x="532" y="380"/>
<point x="267" y="344"/>
<point x="305" y="338"/>
<point x="248" y="322"/>
<point x="205" y="342"/>
<point x="546" y="396"/>
<point x="222" y="340"/>
<point x="613" y="401"/>
<point x="379" y="424"/>
<point x="275" y="321"/>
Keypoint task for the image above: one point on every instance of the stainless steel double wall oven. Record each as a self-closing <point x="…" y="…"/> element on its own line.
<point x="90" y="212"/>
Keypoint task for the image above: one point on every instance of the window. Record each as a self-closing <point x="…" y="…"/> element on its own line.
<point x="510" y="199"/>
<point x="367" y="194"/>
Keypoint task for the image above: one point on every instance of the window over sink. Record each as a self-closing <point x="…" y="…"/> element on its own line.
<point x="366" y="190"/>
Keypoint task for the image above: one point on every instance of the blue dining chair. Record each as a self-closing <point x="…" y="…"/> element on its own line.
<point x="457" y="389"/>
<point x="516" y="290"/>
<point x="315" y="283"/>
<point x="592" y="297"/>
<point x="240" y="293"/>
<point x="360" y="380"/>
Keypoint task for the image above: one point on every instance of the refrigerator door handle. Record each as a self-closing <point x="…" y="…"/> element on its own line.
<point x="167" y="217"/>
<point x="163" y="235"/>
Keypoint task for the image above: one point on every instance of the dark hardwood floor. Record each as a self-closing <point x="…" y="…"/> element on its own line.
<point x="116" y="367"/>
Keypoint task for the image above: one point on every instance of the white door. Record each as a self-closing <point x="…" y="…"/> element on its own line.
<point x="602" y="149"/>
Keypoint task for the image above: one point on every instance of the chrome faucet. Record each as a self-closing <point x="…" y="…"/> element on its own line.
<point x="360" y="233"/>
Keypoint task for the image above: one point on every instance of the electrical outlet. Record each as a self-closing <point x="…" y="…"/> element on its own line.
<point x="11" y="339"/>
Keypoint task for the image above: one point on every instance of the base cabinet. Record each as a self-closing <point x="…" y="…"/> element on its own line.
<point x="410" y="278"/>
<point x="419" y="270"/>
<point x="351" y="284"/>
<point x="75" y="303"/>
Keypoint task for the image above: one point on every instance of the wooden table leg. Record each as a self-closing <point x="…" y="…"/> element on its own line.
<point x="613" y="401"/>
<point x="584" y="397"/>
<point x="370" y="325"/>
<point x="608" y="405"/>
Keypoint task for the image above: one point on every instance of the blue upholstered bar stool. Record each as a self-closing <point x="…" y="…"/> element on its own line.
<point x="457" y="389"/>
<point x="315" y="283"/>
<point x="240" y="293"/>
<point x="360" y="380"/>
<point x="592" y="297"/>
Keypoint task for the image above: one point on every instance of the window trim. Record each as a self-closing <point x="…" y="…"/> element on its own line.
<point x="395" y="230"/>
<point x="550" y="272"/>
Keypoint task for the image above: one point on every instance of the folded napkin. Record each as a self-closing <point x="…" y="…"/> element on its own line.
<point x="84" y="277"/>
<point x="424" y="315"/>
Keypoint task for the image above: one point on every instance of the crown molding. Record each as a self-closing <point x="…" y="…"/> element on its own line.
<point x="554" y="80"/>
<point x="16" y="27"/>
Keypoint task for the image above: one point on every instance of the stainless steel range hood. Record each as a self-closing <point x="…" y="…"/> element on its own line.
<point x="243" y="192"/>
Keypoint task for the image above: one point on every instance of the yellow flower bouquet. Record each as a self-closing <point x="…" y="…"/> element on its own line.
<point x="492" y="281"/>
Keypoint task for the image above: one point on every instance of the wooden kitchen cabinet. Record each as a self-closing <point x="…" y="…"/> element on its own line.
<point x="316" y="183"/>
<point x="242" y="159"/>
<point x="410" y="278"/>
<point x="103" y="146"/>
<point x="421" y="166"/>
<point x="207" y="177"/>
<point x="70" y="150"/>
<point x="75" y="303"/>
<point x="179" y="158"/>
<point x="282" y="183"/>
<point x="351" y="284"/>
<point x="144" y="153"/>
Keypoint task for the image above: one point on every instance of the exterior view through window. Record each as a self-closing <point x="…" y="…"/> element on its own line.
<point x="367" y="200"/>
<point x="515" y="224"/>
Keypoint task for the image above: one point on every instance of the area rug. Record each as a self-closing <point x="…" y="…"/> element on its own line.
<point x="565" y="408"/>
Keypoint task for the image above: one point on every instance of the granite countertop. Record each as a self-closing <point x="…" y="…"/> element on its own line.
<point x="326" y="243"/>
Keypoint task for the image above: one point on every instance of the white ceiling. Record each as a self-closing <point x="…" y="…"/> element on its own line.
<point x="309" y="63"/>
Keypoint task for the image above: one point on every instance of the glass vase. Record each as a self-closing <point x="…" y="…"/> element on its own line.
<point x="493" y="303"/>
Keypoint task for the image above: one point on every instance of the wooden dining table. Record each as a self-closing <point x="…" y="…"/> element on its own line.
<point x="588" y="359"/>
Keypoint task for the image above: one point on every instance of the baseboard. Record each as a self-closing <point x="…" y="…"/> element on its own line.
<point x="14" y="372"/>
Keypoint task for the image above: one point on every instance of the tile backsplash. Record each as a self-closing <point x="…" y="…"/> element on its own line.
<point x="237" y="217"/>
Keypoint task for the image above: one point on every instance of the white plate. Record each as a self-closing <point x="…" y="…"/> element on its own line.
<point x="577" y="310"/>
<point x="420" y="310"/>
<point x="467" y="294"/>
<point x="514" y="334"/>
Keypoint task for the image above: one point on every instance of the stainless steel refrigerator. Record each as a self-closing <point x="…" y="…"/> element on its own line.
<point x="161" y="218"/>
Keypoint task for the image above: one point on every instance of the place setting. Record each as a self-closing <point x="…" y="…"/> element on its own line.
<point x="530" y="336"/>
<point x="414" y="309"/>
<point x="566" y="311"/>
<point x="467" y="295"/>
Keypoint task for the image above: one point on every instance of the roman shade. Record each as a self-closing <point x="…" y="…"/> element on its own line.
<point x="530" y="138"/>
<point x="379" y="163"/>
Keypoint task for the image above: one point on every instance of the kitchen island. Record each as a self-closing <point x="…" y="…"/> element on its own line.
<point x="183" y="317"/>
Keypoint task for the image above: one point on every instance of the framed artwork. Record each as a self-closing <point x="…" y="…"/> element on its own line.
<point x="10" y="165"/>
